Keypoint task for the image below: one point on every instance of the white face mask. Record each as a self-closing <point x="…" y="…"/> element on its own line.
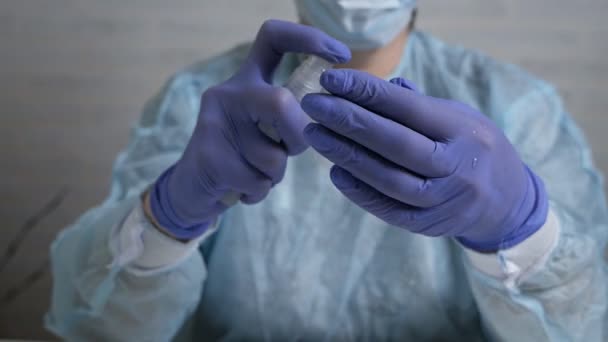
<point x="361" y="24"/>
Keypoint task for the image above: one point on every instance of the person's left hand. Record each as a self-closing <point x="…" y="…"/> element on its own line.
<point x="432" y="166"/>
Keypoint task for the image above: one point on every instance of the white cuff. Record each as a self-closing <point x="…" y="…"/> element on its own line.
<point x="517" y="263"/>
<point x="143" y="250"/>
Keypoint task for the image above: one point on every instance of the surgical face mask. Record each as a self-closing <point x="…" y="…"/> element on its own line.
<point x="360" y="24"/>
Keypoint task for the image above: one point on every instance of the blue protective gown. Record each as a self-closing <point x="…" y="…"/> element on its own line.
<point x="306" y="264"/>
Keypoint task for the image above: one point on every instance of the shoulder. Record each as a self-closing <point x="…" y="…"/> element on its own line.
<point x="470" y="76"/>
<point x="177" y="103"/>
<point x="214" y="70"/>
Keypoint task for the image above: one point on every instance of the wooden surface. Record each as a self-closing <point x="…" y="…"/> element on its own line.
<point x="75" y="73"/>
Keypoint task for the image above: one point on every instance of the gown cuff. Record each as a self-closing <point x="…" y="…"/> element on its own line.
<point x="521" y="261"/>
<point x="138" y="246"/>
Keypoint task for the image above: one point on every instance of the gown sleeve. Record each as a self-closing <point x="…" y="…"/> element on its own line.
<point x="115" y="277"/>
<point x="565" y="296"/>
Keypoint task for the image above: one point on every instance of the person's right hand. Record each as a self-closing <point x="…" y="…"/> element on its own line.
<point x="228" y="153"/>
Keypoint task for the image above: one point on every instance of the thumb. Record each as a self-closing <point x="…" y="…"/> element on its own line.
<point x="276" y="37"/>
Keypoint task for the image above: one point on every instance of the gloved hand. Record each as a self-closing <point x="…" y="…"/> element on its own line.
<point x="432" y="166"/>
<point x="227" y="152"/>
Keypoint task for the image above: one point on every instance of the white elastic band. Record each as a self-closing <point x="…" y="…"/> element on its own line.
<point x="515" y="264"/>
<point x="143" y="250"/>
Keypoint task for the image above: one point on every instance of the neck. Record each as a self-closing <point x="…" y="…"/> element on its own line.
<point x="380" y="62"/>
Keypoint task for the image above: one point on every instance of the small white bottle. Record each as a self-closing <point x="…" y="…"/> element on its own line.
<point x="305" y="79"/>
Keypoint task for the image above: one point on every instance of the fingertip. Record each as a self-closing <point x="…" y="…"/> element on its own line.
<point x="333" y="80"/>
<point x="397" y="80"/>
<point x="250" y="200"/>
<point x="309" y="131"/>
<point x="297" y="145"/>
<point x="402" y="82"/>
<point x="320" y="139"/>
<point x="340" y="177"/>
<point x="307" y="102"/>
<point x="263" y="188"/>
<point x="340" y="52"/>
<point x="315" y="106"/>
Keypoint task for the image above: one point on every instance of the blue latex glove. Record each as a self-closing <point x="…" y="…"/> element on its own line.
<point x="228" y="153"/>
<point x="433" y="166"/>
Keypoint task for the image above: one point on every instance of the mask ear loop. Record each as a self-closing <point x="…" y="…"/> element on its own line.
<point x="412" y="25"/>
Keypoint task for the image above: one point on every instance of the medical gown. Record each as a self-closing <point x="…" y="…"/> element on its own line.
<point x="308" y="265"/>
